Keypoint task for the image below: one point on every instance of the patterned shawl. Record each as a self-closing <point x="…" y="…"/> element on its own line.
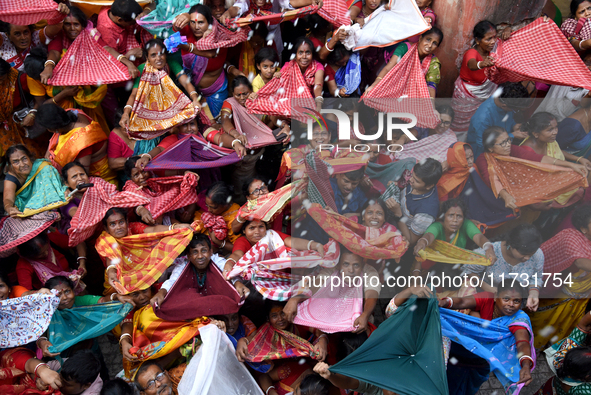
<point x="580" y="30"/>
<point x="257" y="133"/>
<point x="269" y="343"/>
<point x="159" y="105"/>
<point x="23" y="320"/>
<point x="280" y="95"/>
<point x="442" y="251"/>
<point x="562" y="250"/>
<point x="221" y="37"/>
<point x="404" y="90"/>
<point x="48" y="268"/>
<point x="435" y="146"/>
<point x="142" y="259"/>
<point x="531" y="182"/>
<point x="264" y="16"/>
<point x="457" y="174"/>
<point x="396" y="172"/>
<point x="517" y="60"/>
<point x="346" y="231"/>
<point x="42" y="191"/>
<point x="266" y="208"/>
<point x="29" y="12"/>
<point x="16" y="231"/>
<point x="95" y="203"/>
<point x="71" y="326"/>
<point x="166" y="193"/>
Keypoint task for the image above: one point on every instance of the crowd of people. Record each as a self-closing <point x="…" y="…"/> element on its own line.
<point x="212" y="185"/>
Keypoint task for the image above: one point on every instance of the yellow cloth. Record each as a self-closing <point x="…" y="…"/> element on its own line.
<point x="257" y="83"/>
<point x="556" y="318"/>
<point x="441" y="251"/>
<point x="101" y="169"/>
<point x="91" y="7"/>
<point x="229" y="215"/>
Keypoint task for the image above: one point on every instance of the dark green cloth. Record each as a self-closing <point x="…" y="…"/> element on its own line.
<point x="467" y="231"/>
<point x="405" y="353"/>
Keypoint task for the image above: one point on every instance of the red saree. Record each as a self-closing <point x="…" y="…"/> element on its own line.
<point x="13" y="378"/>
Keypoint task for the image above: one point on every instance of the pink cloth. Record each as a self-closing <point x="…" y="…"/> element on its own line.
<point x="434" y="146"/>
<point x="117" y="148"/>
<point x="257" y="133"/>
<point x="47" y="269"/>
<point x="215" y="224"/>
<point x="28" y="12"/>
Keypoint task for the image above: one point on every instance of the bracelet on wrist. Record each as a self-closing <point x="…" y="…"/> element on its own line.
<point x="38" y="366"/>
<point x="149" y="156"/>
<point x="49" y="61"/>
<point x="235" y="140"/>
<point x="128" y="106"/>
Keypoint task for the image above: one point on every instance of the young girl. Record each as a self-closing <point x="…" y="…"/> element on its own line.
<point x="266" y="61"/>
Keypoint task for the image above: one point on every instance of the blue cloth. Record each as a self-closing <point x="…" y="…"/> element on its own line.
<point x="487" y="115"/>
<point x="572" y="137"/>
<point x="427" y="203"/>
<point x="216" y="100"/>
<point x="491" y="340"/>
<point x="355" y="203"/>
<point x="349" y="76"/>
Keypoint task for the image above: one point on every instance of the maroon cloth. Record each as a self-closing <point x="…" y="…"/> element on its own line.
<point x="186" y="301"/>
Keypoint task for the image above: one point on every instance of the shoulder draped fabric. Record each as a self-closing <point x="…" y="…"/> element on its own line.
<point x="452" y="182"/>
<point x="221" y="37"/>
<point x="269" y="343"/>
<point x="491" y="340"/>
<point x="195" y="65"/>
<point x="193" y="152"/>
<point x="256" y="132"/>
<point x="186" y="300"/>
<point x="531" y="182"/>
<point x="331" y="309"/>
<point x="167" y="193"/>
<point x="435" y="146"/>
<point x="516" y="60"/>
<point x="94" y="204"/>
<point x="14" y="380"/>
<point x="71" y="326"/>
<point x="410" y="362"/>
<point x="267" y="262"/>
<point x="154" y="338"/>
<point x="16" y="231"/>
<point x="143" y="258"/>
<point x="405" y="90"/>
<point x="48" y="268"/>
<point x="87" y="63"/>
<point x="42" y="191"/>
<point x="280" y="95"/>
<point x="562" y="250"/>
<point x="390" y="245"/>
<point x="23" y="320"/>
<point x="441" y="251"/>
<point x="158" y="106"/>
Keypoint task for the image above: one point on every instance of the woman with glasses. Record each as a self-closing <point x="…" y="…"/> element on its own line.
<point x="522" y="177"/>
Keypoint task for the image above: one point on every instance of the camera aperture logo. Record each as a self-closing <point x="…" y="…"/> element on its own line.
<point x="346" y="125"/>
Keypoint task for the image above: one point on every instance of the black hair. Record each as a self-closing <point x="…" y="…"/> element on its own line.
<point x="126" y="9"/>
<point x="574" y="5"/>
<point x="581" y="216"/>
<point x="511" y="286"/>
<point x="83" y="367"/>
<point x="153" y="43"/>
<point x="51" y="116"/>
<point x="199" y="238"/>
<point x="270" y="304"/>
<point x="5" y="279"/>
<point x="240" y="80"/>
<point x="349" y="343"/>
<point x="4" y="67"/>
<point x="490" y="136"/>
<point x="304" y="40"/>
<point x="317" y="23"/>
<point x="77" y="13"/>
<point x="203" y="10"/>
<point x="130" y="165"/>
<point x="434" y="30"/>
<point x="220" y="193"/>
<point x="249" y="181"/>
<point x="538" y="122"/>
<point x="339" y="53"/>
<point x="32" y="248"/>
<point x="371" y="202"/>
<point x="481" y="28"/>
<point x="114" y="210"/>
<point x="35" y="62"/>
<point x="355" y="175"/>
<point x="429" y="171"/>
<point x="511" y="92"/>
<point x="145" y="366"/>
<point x="117" y="116"/>
<point x="447" y="110"/>
<point x="266" y="54"/>
<point x="5" y="27"/>
<point x="69" y="166"/>
<point x="14" y="148"/>
<point x="58" y="280"/>
<point x="576" y="364"/>
<point x="524" y="238"/>
<point x="314" y="384"/>
<point x="455" y="202"/>
<point x="248" y="222"/>
<point x="344" y="251"/>
<point x="117" y="387"/>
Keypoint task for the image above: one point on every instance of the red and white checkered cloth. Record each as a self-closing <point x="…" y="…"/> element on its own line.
<point x="166" y="193"/>
<point x="16" y="231"/>
<point x="404" y="90"/>
<point x="580" y="29"/>
<point x="87" y="63"/>
<point x="28" y="12"/>
<point x="280" y="95"/>
<point x="516" y="59"/>
<point x="336" y="12"/>
<point x="95" y="203"/>
<point x="221" y="37"/>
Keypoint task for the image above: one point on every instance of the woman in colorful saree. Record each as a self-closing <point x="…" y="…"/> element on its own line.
<point x="567" y="253"/>
<point x="75" y="137"/>
<point x="570" y="360"/>
<point x="430" y="65"/>
<point x="542" y="178"/>
<point x="460" y="161"/>
<point x="22" y="373"/>
<point x="312" y="70"/>
<point x="31" y="186"/>
<point x="154" y="88"/>
<point x="283" y="343"/>
<point x="472" y="87"/>
<point x="572" y="27"/>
